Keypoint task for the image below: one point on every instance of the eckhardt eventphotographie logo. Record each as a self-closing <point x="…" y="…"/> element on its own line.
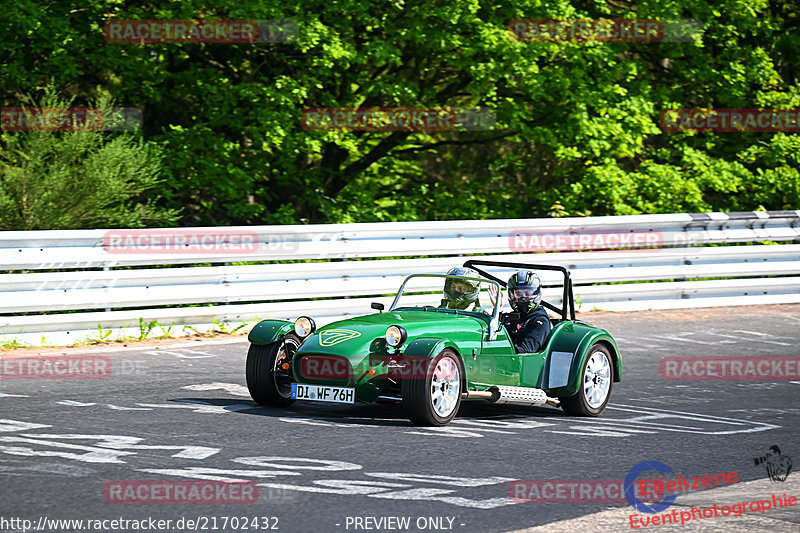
<point x="524" y="240"/>
<point x="397" y="119"/>
<point x="70" y="119"/>
<point x="730" y="120"/>
<point x="605" y="30"/>
<point x="657" y="494"/>
<point x="55" y="367"/>
<point x="777" y="465"/>
<point x="180" y="492"/>
<point x="730" y="368"/>
<point x="200" y="31"/>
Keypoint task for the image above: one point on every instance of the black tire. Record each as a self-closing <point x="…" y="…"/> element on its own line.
<point x="268" y="385"/>
<point x="579" y="404"/>
<point x="418" y="390"/>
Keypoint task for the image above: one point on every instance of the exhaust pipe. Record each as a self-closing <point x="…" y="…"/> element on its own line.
<point x="492" y="395"/>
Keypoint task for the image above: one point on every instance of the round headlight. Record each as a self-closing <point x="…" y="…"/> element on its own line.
<point x="304" y="326"/>
<point x="395" y="336"/>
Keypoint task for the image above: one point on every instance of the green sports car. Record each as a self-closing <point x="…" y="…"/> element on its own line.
<point x="432" y="357"/>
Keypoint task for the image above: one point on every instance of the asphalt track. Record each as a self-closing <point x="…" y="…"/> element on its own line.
<point x="179" y="410"/>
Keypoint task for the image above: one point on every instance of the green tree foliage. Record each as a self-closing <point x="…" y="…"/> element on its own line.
<point x="577" y="122"/>
<point x="77" y="179"/>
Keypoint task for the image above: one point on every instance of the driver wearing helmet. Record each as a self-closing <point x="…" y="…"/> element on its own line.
<point x="461" y="293"/>
<point x="529" y="332"/>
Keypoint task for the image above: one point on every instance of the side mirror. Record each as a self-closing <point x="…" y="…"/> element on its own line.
<point x="377" y="306"/>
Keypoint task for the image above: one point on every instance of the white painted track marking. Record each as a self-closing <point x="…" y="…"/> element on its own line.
<point x="17" y="425"/>
<point x="73" y="403"/>
<point x="201" y="407"/>
<point x="122" y="408"/>
<point x="104" y="448"/>
<point x="231" y="388"/>
<point x="189" y="354"/>
<point x="218" y="474"/>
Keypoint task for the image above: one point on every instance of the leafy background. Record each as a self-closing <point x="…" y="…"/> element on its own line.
<point x="577" y="128"/>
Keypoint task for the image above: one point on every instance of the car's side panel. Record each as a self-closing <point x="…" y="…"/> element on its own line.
<point x="532" y="366"/>
<point x="498" y="363"/>
<point x="268" y="331"/>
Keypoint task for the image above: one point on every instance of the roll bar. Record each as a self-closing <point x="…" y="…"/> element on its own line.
<point x="568" y="302"/>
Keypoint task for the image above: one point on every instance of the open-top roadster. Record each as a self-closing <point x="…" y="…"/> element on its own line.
<point x="431" y="357"/>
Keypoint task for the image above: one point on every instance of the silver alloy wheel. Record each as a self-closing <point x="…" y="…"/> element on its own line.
<point x="281" y="377"/>
<point x="445" y="386"/>
<point x="597" y="379"/>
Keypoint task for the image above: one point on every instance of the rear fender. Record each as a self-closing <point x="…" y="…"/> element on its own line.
<point x="269" y="331"/>
<point x="566" y="358"/>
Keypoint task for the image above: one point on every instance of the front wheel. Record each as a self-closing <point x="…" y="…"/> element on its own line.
<point x="595" y="385"/>
<point x="433" y="398"/>
<point x="269" y="371"/>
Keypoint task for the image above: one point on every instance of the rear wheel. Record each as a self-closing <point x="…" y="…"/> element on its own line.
<point x="269" y="371"/>
<point x="433" y="398"/>
<point x="596" y="378"/>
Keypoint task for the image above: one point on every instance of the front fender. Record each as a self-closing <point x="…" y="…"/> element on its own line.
<point x="269" y="331"/>
<point x="428" y="347"/>
<point x="565" y="359"/>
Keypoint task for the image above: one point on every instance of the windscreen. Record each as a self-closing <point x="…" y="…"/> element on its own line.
<point x="441" y="292"/>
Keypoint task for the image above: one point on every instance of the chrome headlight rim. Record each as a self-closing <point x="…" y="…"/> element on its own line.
<point x="304" y="326"/>
<point x="395" y="336"/>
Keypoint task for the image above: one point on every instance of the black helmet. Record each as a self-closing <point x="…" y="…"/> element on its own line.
<point x="459" y="293"/>
<point x="524" y="291"/>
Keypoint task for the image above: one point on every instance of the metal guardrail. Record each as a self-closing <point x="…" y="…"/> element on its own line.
<point x="106" y="278"/>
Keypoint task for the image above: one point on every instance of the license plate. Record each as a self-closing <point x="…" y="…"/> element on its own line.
<point x="319" y="393"/>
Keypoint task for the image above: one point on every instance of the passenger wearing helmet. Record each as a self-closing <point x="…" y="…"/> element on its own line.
<point x="529" y="332"/>
<point x="461" y="293"/>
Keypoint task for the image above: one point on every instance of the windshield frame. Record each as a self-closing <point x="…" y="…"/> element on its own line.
<point x="494" y="323"/>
